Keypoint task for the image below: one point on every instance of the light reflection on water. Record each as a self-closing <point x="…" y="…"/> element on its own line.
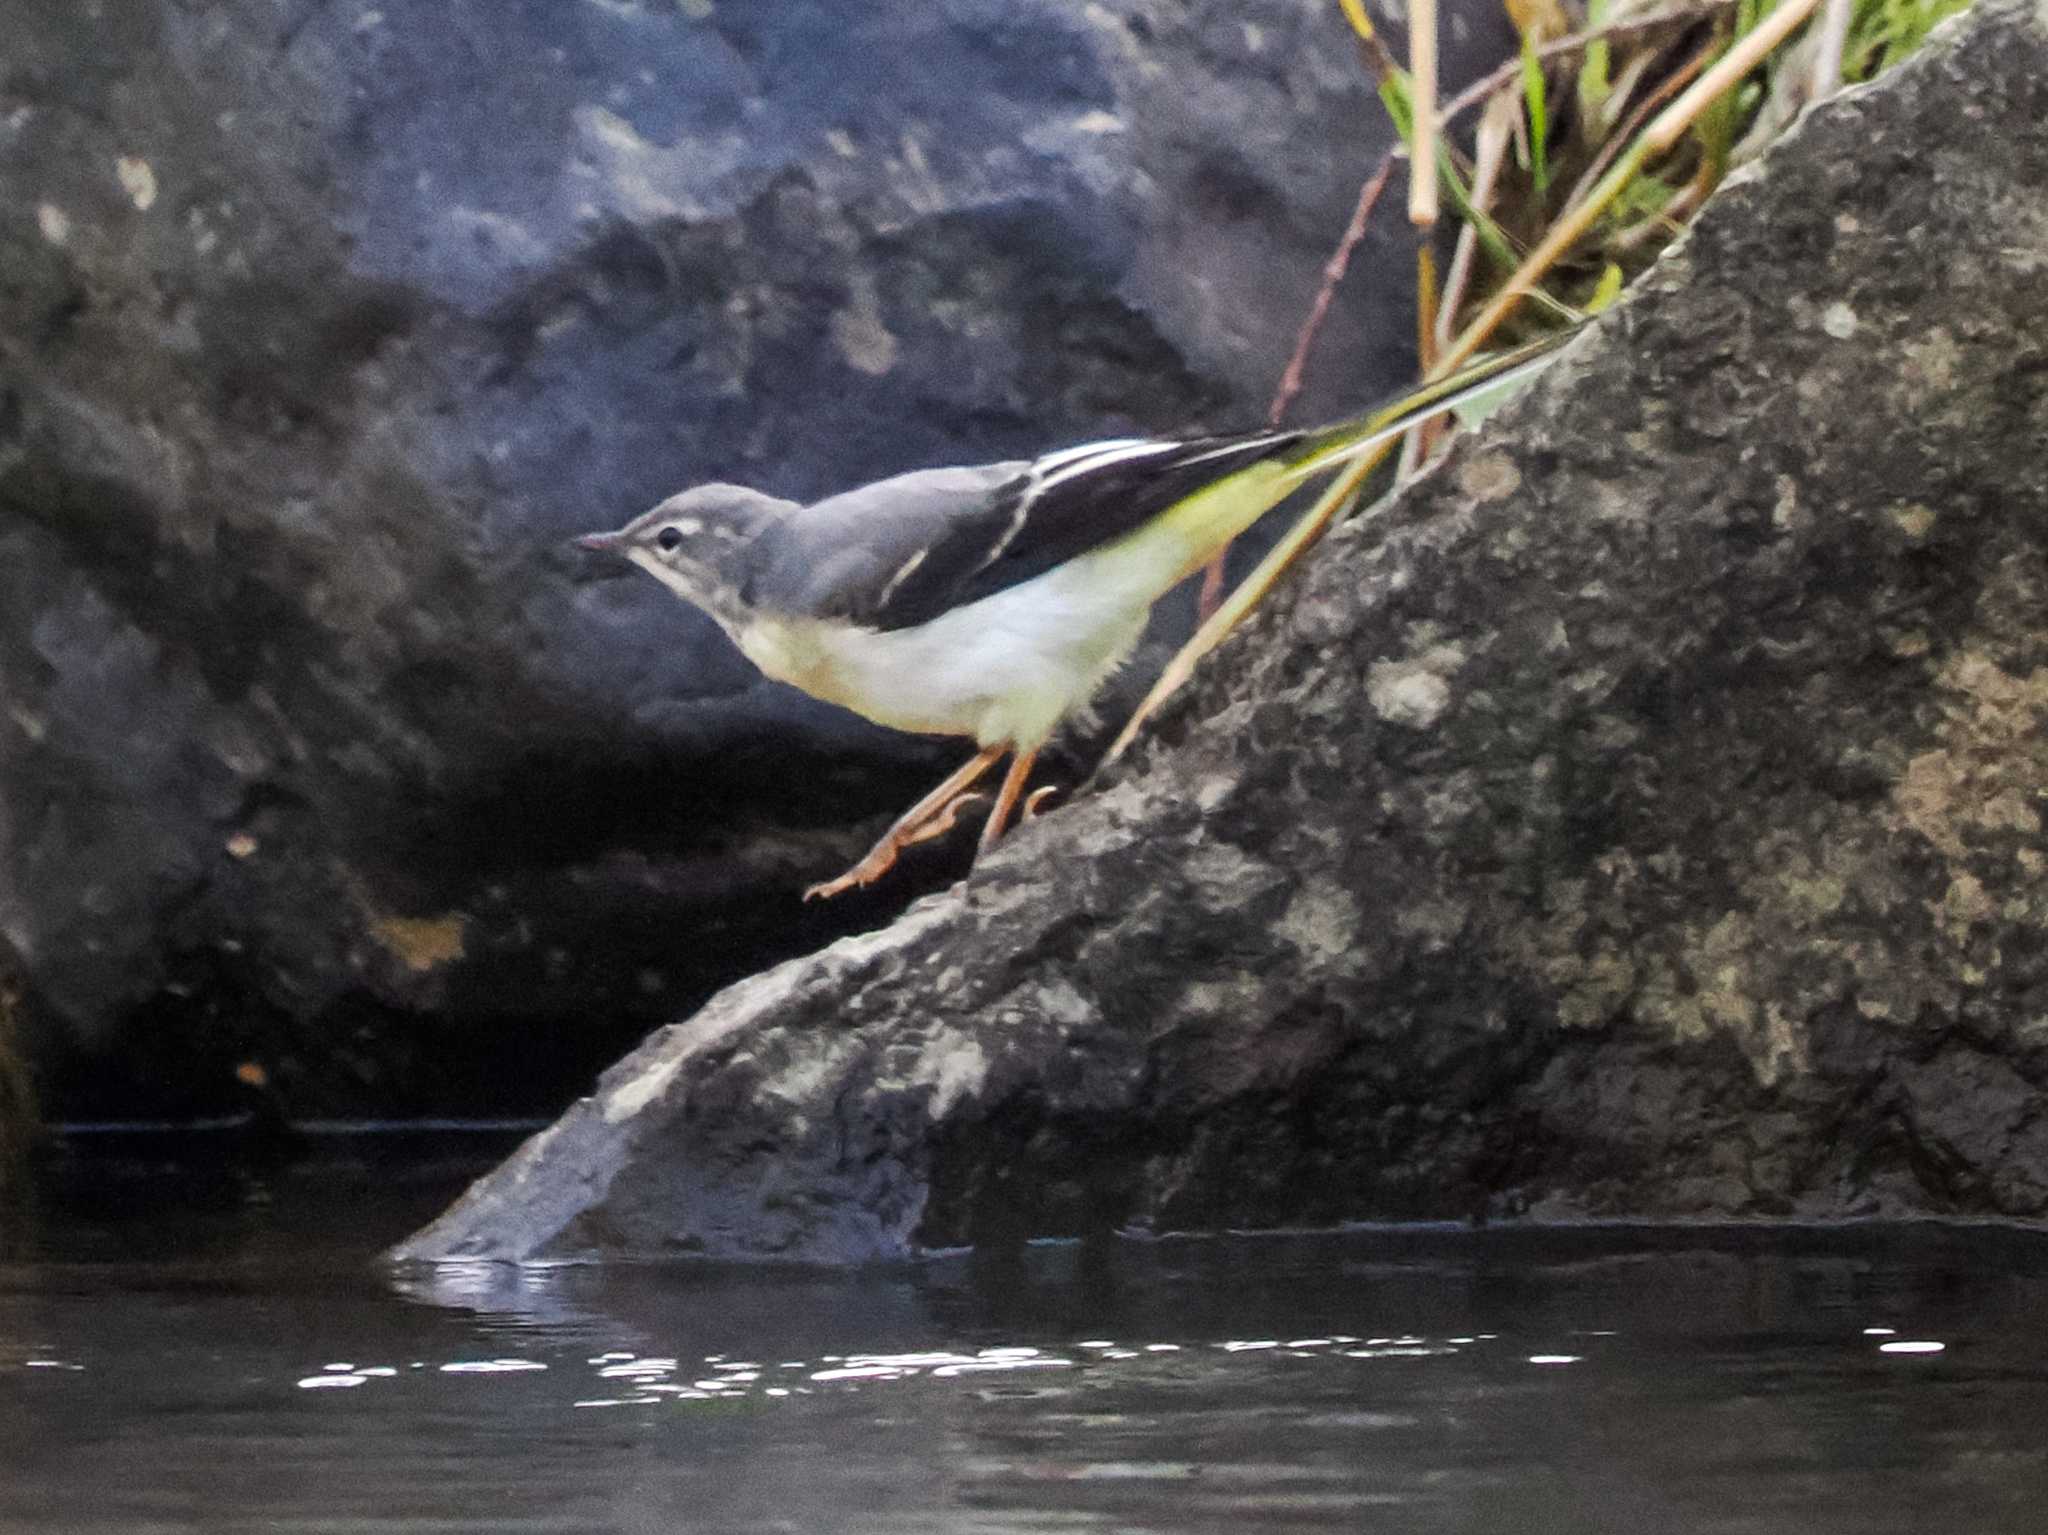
<point x="1859" y="1381"/>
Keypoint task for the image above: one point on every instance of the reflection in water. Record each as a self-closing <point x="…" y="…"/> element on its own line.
<point x="1741" y="1382"/>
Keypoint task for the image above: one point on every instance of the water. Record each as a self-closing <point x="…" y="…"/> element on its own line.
<point x="229" y="1359"/>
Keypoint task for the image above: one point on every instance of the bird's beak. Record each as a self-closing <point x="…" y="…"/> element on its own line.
<point x="605" y="569"/>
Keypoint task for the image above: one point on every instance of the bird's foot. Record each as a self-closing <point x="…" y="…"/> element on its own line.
<point x="866" y="872"/>
<point x="942" y="821"/>
<point x="881" y="858"/>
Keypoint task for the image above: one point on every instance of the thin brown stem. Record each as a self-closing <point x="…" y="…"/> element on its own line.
<point x="1297" y="365"/>
<point x="1639" y="114"/>
<point x="1333" y="274"/>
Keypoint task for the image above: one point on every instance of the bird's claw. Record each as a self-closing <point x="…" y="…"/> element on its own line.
<point x="882" y="857"/>
<point x="856" y="875"/>
<point x="942" y="819"/>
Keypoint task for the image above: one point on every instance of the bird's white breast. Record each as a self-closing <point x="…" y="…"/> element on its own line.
<point x="1007" y="668"/>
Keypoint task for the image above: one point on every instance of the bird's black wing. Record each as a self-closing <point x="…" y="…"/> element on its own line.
<point x="902" y="551"/>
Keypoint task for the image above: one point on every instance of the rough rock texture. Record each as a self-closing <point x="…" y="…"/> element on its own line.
<point x="1641" y="817"/>
<point x="322" y="323"/>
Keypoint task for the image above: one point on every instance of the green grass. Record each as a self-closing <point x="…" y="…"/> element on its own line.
<point x="1602" y="149"/>
<point x="1884" y="32"/>
<point x="1579" y="111"/>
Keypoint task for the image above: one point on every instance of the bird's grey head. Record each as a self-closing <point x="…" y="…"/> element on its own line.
<point x="692" y="542"/>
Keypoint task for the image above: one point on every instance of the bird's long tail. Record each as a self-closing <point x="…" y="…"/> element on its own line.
<point x="1188" y="535"/>
<point x="1331" y="445"/>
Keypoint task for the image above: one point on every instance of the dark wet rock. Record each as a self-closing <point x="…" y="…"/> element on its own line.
<point x="320" y="326"/>
<point x="1641" y="817"/>
<point x="17" y="1114"/>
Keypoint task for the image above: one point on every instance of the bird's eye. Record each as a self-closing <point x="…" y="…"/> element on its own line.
<point x="668" y="538"/>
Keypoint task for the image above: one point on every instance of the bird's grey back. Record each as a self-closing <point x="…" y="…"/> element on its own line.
<point x="903" y="551"/>
<point x="883" y="555"/>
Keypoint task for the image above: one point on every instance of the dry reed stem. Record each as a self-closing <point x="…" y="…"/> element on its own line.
<point x="1247" y="595"/>
<point x="1489" y="158"/>
<point x="1619" y="141"/>
<point x="1662" y="133"/>
<point x="1422" y="94"/>
<point x="1510" y="73"/>
<point x="1832" y="39"/>
<point x="1738" y="61"/>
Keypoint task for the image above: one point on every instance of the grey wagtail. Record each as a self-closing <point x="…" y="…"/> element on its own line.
<point x="988" y="602"/>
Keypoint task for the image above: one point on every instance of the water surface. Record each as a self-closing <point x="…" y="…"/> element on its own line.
<point x="231" y="1358"/>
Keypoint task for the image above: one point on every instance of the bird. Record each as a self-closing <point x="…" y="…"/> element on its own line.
<point x="988" y="601"/>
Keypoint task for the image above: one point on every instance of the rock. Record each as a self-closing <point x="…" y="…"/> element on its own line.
<point x="17" y="1121"/>
<point x="16" y="1108"/>
<point x="1639" y="817"/>
<point x="321" y="326"/>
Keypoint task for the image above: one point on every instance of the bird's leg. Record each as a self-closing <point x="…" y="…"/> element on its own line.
<point x="911" y="822"/>
<point x="946" y="819"/>
<point x="1006" y="800"/>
